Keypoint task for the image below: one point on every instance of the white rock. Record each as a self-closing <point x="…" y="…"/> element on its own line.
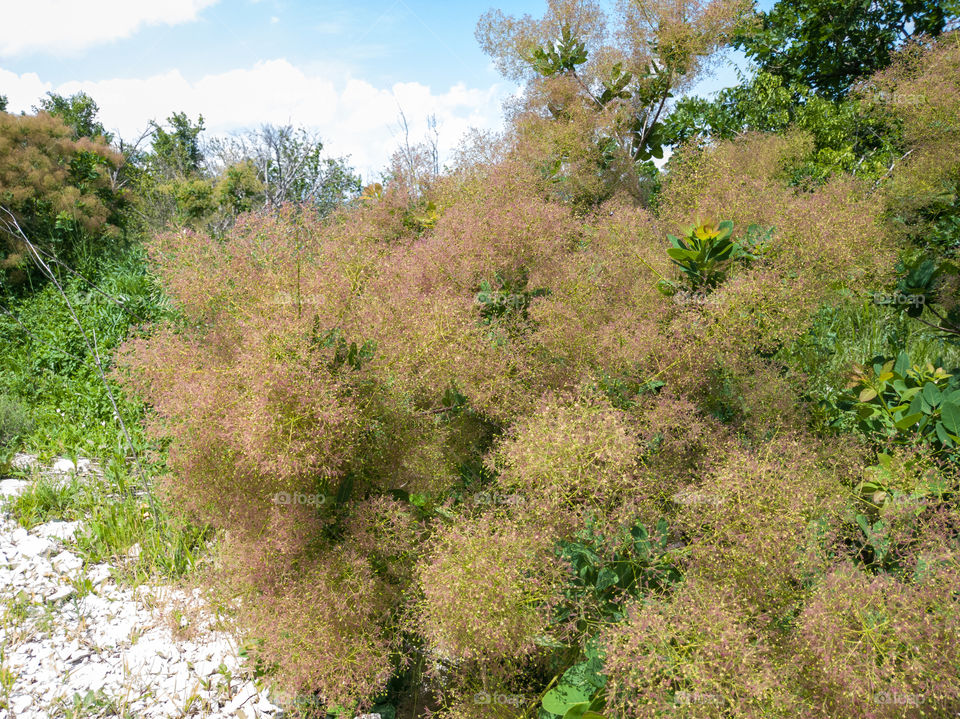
<point x="98" y="574"/>
<point x="205" y="668"/>
<point x="19" y="704"/>
<point x="22" y="461"/>
<point x="63" y="466"/>
<point x="34" y="546"/>
<point x="246" y="693"/>
<point x="60" y="594"/>
<point x="57" y="530"/>
<point x="66" y="562"/>
<point x="13" y="487"/>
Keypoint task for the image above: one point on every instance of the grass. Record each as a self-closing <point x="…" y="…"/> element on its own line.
<point x="53" y="403"/>
<point x="114" y="518"/>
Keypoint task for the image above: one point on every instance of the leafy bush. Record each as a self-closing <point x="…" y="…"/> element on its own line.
<point x="462" y="446"/>
<point x="66" y="200"/>
<point x="704" y="253"/>
<point x="894" y="399"/>
<point x="15" y="422"/>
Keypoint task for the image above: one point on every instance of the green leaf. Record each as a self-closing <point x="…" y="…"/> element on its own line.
<point x="577" y="711"/>
<point x="902" y="365"/>
<point x="908" y="421"/>
<point x="867" y="394"/>
<point x="606" y="578"/>
<point x="943" y="436"/>
<point x="950" y="415"/>
<point x="563" y="696"/>
<point x="931" y="394"/>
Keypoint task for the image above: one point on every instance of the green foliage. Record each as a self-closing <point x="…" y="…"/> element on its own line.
<point x="46" y="365"/>
<point x="579" y="692"/>
<point x="176" y="152"/>
<point x="507" y="296"/>
<point x="848" y="134"/>
<point x="704" y="253"/>
<point x="610" y="570"/>
<point x="79" y="111"/>
<point x="564" y="56"/>
<point x="907" y="403"/>
<point x="351" y="355"/>
<point x="895" y="479"/>
<point x="829" y="44"/>
<point x="922" y="280"/>
<point x="15" y="422"/>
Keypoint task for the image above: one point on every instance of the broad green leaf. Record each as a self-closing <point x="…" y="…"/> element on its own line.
<point x="577" y="711"/>
<point x="867" y="394"/>
<point x="909" y="394"/>
<point x="902" y="365"/>
<point x="943" y="436"/>
<point x="563" y="696"/>
<point x="950" y="416"/>
<point x="908" y="421"/>
<point x="606" y="578"/>
<point x="932" y="394"/>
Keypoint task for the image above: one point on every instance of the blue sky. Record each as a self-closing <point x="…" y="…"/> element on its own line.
<point x="342" y="68"/>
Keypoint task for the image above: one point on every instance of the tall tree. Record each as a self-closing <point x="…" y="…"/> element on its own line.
<point x="176" y="152"/>
<point x="78" y="111"/>
<point x="611" y="74"/>
<point x="827" y="45"/>
<point x="291" y="166"/>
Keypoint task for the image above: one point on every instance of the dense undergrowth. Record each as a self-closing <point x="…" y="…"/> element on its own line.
<point x="542" y="437"/>
<point x="512" y="459"/>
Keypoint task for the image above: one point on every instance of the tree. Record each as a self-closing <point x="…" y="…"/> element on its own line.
<point x="848" y="135"/>
<point x="3" y="103"/>
<point x="78" y="111"/>
<point x="176" y="152"/>
<point x="57" y="189"/>
<point x="614" y="80"/>
<point x="827" y="45"/>
<point x="290" y="166"/>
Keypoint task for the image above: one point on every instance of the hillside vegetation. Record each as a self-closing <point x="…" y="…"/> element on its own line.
<point x="557" y="433"/>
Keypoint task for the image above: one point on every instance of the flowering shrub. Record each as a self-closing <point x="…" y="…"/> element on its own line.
<point x="532" y="461"/>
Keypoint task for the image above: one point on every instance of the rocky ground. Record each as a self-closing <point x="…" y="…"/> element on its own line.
<point x="74" y="643"/>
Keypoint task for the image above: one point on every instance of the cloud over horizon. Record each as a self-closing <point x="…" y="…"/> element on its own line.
<point x="27" y="26"/>
<point x="353" y="116"/>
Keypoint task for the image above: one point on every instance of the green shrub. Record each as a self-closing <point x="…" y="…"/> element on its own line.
<point x="907" y="403"/>
<point x="15" y="421"/>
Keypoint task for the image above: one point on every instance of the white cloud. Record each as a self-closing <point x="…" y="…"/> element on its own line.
<point x="65" y="26"/>
<point x="353" y="116"/>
